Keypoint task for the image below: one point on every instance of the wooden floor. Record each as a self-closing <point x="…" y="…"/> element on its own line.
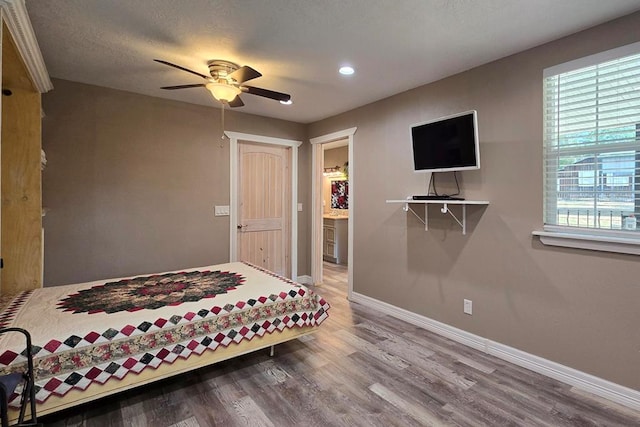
<point x="361" y="369"/>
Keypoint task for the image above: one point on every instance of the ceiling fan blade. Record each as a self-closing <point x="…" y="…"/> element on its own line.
<point x="236" y="102"/>
<point x="272" y="94"/>
<point x="182" y="86"/>
<point x="181" y="68"/>
<point x="244" y="74"/>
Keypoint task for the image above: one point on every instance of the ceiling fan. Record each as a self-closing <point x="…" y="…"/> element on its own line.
<point x="226" y="82"/>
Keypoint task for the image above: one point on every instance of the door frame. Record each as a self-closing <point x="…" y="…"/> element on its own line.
<point x="234" y="137"/>
<point x="317" y="161"/>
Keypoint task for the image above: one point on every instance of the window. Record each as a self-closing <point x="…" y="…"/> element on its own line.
<point x="592" y="145"/>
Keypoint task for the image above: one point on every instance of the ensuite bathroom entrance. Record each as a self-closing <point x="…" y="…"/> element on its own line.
<point x="332" y="207"/>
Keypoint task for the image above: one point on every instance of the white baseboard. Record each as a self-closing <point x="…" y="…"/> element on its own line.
<point x="581" y="380"/>
<point x="305" y="280"/>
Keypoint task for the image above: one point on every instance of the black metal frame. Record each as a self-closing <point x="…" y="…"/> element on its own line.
<point x="28" y="394"/>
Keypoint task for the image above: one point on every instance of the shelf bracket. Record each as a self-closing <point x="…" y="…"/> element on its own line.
<point x="463" y="224"/>
<point x="445" y="210"/>
<point x="407" y="208"/>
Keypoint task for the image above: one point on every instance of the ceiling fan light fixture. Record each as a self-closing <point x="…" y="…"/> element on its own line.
<point x="227" y="81"/>
<point x="223" y="92"/>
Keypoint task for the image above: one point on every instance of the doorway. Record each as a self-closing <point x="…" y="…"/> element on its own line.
<point x="335" y="203"/>
<point x="264" y="241"/>
<point x="317" y="238"/>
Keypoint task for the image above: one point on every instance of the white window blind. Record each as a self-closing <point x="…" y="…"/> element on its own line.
<point x="592" y="145"/>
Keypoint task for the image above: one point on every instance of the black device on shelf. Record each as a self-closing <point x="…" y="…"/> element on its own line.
<point x="434" y="197"/>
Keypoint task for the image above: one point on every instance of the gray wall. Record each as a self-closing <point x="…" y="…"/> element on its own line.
<point x="131" y="183"/>
<point x="578" y="308"/>
<point x="132" y="180"/>
<point x="336" y="157"/>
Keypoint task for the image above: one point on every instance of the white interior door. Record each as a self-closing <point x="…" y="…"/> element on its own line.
<point x="264" y="198"/>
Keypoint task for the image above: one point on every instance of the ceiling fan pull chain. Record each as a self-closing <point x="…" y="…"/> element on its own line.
<point x="222" y="126"/>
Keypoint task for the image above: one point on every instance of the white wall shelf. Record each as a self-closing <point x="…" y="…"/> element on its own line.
<point x="444" y="209"/>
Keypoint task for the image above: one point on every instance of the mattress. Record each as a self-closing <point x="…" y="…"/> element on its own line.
<point x="98" y="331"/>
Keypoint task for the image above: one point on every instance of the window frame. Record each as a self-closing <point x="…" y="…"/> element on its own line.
<point x="618" y="241"/>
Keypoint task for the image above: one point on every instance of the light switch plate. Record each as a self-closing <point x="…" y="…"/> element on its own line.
<point x="221" y="210"/>
<point x="299" y="207"/>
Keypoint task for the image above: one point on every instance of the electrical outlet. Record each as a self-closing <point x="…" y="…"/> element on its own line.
<point x="468" y="306"/>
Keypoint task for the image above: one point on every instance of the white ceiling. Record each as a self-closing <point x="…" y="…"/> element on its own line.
<point x="297" y="45"/>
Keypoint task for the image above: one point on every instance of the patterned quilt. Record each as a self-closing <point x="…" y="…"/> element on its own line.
<point x="91" y="332"/>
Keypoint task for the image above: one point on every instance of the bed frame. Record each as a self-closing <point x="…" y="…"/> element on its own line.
<point x="165" y="370"/>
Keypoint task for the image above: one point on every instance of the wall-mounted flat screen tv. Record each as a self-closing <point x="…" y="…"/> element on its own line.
<point x="446" y="144"/>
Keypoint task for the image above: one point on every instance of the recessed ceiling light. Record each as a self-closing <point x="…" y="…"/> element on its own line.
<point x="346" y="70"/>
<point x="289" y="102"/>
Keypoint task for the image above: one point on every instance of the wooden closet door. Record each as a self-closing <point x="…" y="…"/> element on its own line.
<point x="264" y="198"/>
<point x="21" y="188"/>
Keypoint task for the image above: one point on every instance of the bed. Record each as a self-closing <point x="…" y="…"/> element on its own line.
<point x="98" y="338"/>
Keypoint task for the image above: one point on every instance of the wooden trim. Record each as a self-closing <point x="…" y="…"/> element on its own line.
<point x="581" y="380"/>
<point x="17" y="20"/>
<point x="165" y="370"/>
<point x="317" y="164"/>
<point x="316" y="216"/>
<point x="334" y="136"/>
<point x="603" y="243"/>
<point x="305" y="279"/>
<point x="263" y="139"/>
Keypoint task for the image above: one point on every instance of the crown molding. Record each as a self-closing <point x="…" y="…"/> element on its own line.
<point x="15" y="16"/>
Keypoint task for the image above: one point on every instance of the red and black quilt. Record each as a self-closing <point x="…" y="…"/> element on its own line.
<point x="92" y="332"/>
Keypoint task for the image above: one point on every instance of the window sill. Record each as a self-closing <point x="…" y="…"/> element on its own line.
<point x="622" y="245"/>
